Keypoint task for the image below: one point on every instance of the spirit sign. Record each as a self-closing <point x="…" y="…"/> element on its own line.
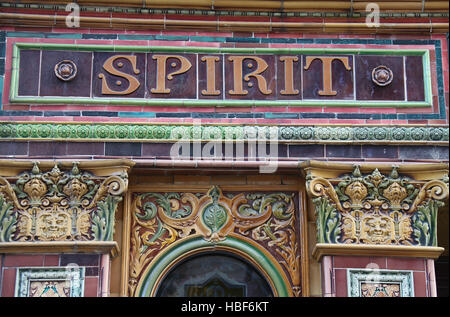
<point x="190" y="76"/>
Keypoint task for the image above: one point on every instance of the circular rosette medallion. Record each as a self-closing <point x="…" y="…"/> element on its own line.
<point x="382" y="76"/>
<point x="66" y="70"/>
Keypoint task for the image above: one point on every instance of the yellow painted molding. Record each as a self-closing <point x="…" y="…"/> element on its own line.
<point x="11" y="168"/>
<point x="322" y="249"/>
<point x="265" y="5"/>
<point x="101" y="247"/>
<point x="419" y="172"/>
<point x="12" y="19"/>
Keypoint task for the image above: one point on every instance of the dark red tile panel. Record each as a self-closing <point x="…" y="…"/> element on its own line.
<point x="340" y="282"/>
<point x="406" y="264"/>
<point x="51" y="260"/>
<point x="16" y="260"/>
<point x="420" y="284"/>
<point x="29" y="72"/>
<point x="8" y="282"/>
<point x="414" y="78"/>
<point x="79" y="86"/>
<point x="359" y="262"/>
<point x="366" y="89"/>
<point x="91" y="287"/>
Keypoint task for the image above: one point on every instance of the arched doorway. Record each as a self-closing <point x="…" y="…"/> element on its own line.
<point x="217" y="274"/>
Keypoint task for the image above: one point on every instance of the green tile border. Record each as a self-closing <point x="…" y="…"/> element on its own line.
<point x="14" y="96"/>
<point x="167" y="133"/>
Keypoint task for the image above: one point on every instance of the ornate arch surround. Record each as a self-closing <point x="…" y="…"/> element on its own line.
<point x="243" y="248"/>
<point x="166" y="225"/>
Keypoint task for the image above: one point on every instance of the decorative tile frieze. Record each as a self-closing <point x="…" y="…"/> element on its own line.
<point x="50" y="282"/>
<point x="379" y="283"/>
<point x="173" y="132"/>
<point x="59" y="205"/>
<point x="376" y="208"/>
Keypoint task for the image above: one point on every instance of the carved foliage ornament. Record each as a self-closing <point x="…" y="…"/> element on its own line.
<point x="160" y="219"/>
<point x="377" y="208"/>
<point x="59" y="205"/>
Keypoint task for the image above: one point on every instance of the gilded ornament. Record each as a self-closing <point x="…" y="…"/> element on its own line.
<point x="53" y="225"/>
<point x="160" y="219"/>
<point x="75" y="189"/>
<point x="59" y="205"/>
<point x="377" y="229"/>
<point x="395" y="193"/>
<point x="357" y="192"/>
<point x="376" y="209"/>
<point x="375" y="178"/>
<point x="35" y="189"/>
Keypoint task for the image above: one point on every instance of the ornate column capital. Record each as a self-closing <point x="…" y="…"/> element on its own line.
<point x="376" y="205"/>
<point x="54" y="202"/>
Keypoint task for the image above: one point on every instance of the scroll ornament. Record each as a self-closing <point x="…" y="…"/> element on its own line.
<point x="59" y="205"/>
<point x="377" y="208"/>
<point x="160" y="219"/>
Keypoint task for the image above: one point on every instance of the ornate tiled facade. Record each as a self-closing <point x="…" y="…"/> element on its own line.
<point x="293" y="141"/>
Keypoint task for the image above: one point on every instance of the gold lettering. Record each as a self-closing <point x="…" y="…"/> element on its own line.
<point x="210" y="76"/>
<point x="109" y="67"/>
<point x="326" y="70"/>
<point x="161" y="71"/>
<point x="289" y="75"/>
<point x="261" y="66"/>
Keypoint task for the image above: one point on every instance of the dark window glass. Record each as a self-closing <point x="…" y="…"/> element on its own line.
<point x="214" y="275"/>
